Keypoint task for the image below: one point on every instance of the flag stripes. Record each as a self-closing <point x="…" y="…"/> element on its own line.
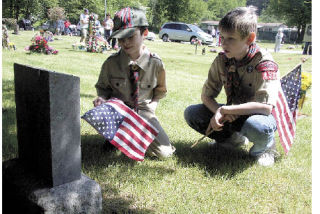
<point x="122" y="127"/>
<point x="285" y="111"/>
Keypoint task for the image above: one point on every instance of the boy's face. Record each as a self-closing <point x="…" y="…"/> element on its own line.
<point x="133" y="44"/>
<point x="233" y="45"/>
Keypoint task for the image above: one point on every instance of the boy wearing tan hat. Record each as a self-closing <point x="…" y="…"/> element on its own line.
<point x="135" y="75"/>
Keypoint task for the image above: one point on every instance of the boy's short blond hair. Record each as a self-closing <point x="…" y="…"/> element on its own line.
<point x="242" y="20"/>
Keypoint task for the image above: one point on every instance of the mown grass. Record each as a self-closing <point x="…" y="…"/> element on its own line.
<point x="198" y="180"/>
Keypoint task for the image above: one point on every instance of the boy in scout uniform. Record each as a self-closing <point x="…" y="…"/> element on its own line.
<point x="135" y="75"/>
<point x="250" y="79"/>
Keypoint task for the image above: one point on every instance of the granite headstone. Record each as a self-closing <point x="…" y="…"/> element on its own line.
<point x="46" y="177"/>
<point x="48" y="123"/>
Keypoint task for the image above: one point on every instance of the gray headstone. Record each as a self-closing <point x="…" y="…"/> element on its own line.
<point x="48" y="123"/>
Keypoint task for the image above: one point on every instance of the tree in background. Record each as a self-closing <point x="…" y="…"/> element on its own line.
<point x="260" y="4"/>
<point x="28" y="9"/>
<point x="218" y="8"/>
<point x="189" y="11"/>
<point x="56" y="15"/>
<point x="293" y="12"/>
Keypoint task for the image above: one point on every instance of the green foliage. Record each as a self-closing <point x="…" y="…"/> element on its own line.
<point x="56" y="13"/>
<point x="158" y="12"/>
<point x="218" y="8"/>
<point x="189" y="11"/>
<point x="266" y="17"/>
<point x="293" y="12"/>
<point x="261" y="4"/>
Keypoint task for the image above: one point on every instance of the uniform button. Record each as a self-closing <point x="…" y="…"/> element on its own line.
<point x="117" y="84"/>
<point x="149" y="86"/>
<point x="250" y="84"/>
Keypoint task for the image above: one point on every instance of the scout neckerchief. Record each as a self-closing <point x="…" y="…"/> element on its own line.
<point x="134" y="77"/>
<point x="233" y="79"/>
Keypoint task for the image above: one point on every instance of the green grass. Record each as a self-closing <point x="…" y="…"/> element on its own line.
<point x="198" y="180"/>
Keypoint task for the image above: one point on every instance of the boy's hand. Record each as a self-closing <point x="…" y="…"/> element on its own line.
<point x="216" y="121"/>
<point x="230" y="118"/>
<point x="98" y="101"/>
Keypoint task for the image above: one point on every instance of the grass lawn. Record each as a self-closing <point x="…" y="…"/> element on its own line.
<point x="197" y="180"/>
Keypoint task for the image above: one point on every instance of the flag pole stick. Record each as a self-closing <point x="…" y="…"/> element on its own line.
<point x="202" y="138"/>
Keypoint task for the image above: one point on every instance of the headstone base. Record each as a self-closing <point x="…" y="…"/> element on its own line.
<point x="24" y="193"/>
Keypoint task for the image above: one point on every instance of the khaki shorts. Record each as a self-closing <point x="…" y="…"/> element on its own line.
<point x="84" y="32"/>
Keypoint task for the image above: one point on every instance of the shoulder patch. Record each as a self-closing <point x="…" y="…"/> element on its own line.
<point x="268" y="70"/>
<point x="154" y="55"/>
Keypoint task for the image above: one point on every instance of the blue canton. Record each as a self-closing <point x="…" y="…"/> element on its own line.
<point x="105" y="119"/>
<point x="291" y="84"/>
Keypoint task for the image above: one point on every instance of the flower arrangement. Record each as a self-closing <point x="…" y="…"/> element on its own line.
<point x="40" y="45"/>
<point x="306" y="82"/>
<point x="91" y="41"/>
<point x="12" y="46"/>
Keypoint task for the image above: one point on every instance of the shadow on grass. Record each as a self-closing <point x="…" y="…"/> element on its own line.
<point x="87" y="96"/>
<point x="121" y="169"/>
<point x="214" y="160"/>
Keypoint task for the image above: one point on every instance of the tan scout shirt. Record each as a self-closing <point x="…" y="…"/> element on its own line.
<point x="253" y="86"/>
<point x="114" y="79"/>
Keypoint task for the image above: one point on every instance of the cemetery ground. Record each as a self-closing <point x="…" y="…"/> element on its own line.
<point x="197" y="180"/>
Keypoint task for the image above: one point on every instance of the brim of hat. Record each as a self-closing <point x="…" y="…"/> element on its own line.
<point x="123" y="33"/>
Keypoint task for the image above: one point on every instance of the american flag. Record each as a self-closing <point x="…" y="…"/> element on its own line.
<point x="286" y="109"/>
<point x="122" y="127"/>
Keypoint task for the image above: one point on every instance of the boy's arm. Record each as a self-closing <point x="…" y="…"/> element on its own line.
<point x="160" y="90"/>
<point x="210" y="91"/>
<point x="210" y="103"/>
<point x="247" y="109"/>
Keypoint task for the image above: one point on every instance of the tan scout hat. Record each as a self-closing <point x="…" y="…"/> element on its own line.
<point x="125" y="22"/>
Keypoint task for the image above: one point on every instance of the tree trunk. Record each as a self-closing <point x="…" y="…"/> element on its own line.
<point x="16" y="29"/>
<point x="17" y="7"/>
<point x="11" y="9"/>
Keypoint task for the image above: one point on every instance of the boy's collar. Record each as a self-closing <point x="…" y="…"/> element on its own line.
<point x="142" y="61"/>
<point x="253" y="50"/>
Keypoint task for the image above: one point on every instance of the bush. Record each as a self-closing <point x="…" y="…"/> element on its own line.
<point x="11" y="23"/>
<point x="56" y="13"/>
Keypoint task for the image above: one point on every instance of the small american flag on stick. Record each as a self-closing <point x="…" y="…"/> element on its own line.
<point x="286" y="109"/>
<point x="122" y="127"/>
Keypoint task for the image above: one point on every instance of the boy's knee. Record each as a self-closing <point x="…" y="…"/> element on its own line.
<point x="257" y="129"/>
<point x="187" y="113"/>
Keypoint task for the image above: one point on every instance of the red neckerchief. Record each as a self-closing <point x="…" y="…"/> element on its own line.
<point x="233" y="79"/>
